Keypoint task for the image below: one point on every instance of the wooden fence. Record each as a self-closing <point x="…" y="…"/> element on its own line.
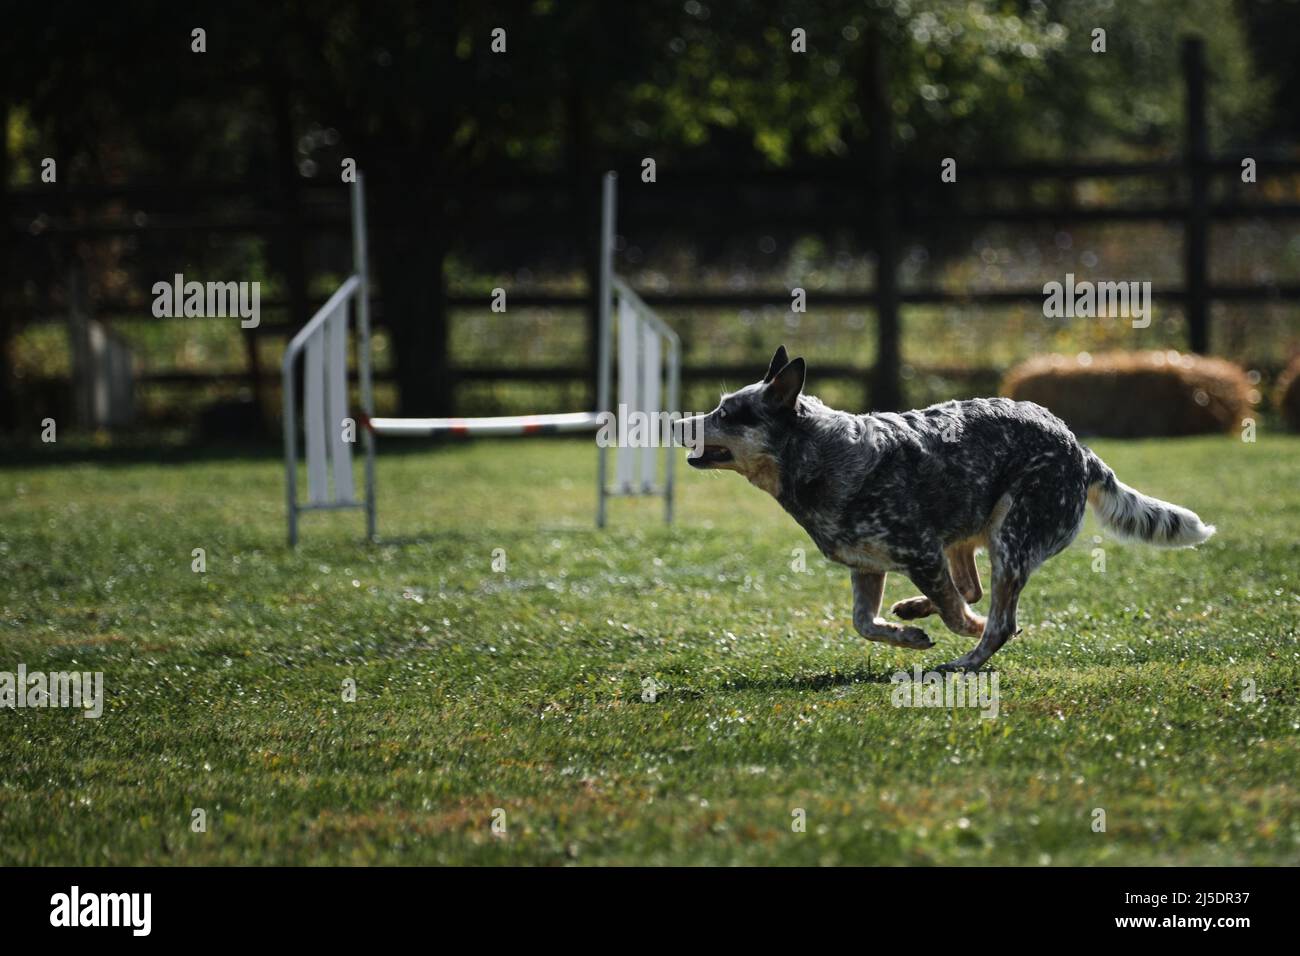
<point x="288" y="210"/>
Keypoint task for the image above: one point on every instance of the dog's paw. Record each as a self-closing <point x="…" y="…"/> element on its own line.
<point x="912" y="608"/>
<point x="915" y="638"/>
<point x="960" y="666"/>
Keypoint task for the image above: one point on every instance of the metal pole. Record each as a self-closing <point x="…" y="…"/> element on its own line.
<point x="361" y="265"/>
<point x="674" y="404"/>
<point x="290" y="451"/>
<point x="608" y="188"/>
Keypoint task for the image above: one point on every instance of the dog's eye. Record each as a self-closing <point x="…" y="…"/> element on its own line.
<point x="722" y="414"/>
<point x="740" y="416"/>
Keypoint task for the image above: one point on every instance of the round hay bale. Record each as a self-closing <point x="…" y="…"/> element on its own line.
<point x="1135" y="394"/>
<point x="1288" y="395"/>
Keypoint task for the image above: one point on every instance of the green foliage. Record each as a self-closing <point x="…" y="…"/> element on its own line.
<point x="661" y="77"/>
<point x="982" y="80"/>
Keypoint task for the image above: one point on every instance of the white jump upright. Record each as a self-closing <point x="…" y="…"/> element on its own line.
<point x="648" y="350"/>
<point x="649" y="364"/>
<point x="328" y="430"/>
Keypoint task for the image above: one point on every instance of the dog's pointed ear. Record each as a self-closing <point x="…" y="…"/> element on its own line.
<point x="786" y="385"/>
<point x="779" y="361"/>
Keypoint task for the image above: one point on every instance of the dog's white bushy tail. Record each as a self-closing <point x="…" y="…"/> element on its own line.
<point x="1133" y="515"/>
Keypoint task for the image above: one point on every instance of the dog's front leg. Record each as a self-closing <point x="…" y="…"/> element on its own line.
<point x="868" y="591"/>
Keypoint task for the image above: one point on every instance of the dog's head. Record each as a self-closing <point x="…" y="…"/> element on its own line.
<point x="740" y="434"/>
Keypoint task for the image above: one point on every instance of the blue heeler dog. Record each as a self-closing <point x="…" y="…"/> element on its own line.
<point x="920" y="492"/>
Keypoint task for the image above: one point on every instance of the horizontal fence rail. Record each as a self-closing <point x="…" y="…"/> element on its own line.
<point x="1190" y="188"/>
<point x="775" y="298"/>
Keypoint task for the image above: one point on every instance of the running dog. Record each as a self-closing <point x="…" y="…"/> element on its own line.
<point x="920" y="492"/>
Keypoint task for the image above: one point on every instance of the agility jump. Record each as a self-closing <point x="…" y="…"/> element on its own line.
<point x="649" y="363"/>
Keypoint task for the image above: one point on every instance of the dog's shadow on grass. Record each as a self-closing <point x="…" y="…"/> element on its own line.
<point x="412" y="540"/>
<point x="822" y="681"/>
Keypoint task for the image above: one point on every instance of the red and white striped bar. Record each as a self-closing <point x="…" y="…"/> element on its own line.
<point x="503" y="426"/>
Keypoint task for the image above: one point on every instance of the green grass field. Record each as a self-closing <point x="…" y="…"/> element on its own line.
<point x="521" y="690"/>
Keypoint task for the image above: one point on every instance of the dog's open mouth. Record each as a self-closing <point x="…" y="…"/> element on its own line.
<point x="709" y="455"/>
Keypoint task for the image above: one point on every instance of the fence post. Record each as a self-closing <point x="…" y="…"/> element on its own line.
<point x="79" y="341"/>
<point x="291" y="239"/>
<point x="1196" y="228"/>
<point x="608" y="225"/>
<point x="8" y="396"/>
<point x="361" y="267"/>
<point x="586" y="218"/>
<point x="886" y="392"/>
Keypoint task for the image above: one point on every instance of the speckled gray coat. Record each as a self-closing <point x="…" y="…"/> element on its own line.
<point x="919" y="492"/>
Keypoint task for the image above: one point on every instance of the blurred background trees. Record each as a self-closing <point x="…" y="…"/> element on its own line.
<point x="450" y="135"/>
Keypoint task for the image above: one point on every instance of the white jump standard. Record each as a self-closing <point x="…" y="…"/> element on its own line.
<point x="649" y="353"/>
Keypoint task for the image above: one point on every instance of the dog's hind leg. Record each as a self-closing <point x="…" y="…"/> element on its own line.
<point x="966" y="576"/>
<point x="1041" y="519"/>
<point x="965" y="573"/>
<point x="1008" y="581"/>
<point x="868" y="591"/>
<point x="936" y="583"/>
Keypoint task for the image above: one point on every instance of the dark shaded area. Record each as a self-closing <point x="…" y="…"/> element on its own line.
<point x="480" y="160"/>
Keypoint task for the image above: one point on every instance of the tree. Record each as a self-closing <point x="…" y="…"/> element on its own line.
<point x="427" y="107"/>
